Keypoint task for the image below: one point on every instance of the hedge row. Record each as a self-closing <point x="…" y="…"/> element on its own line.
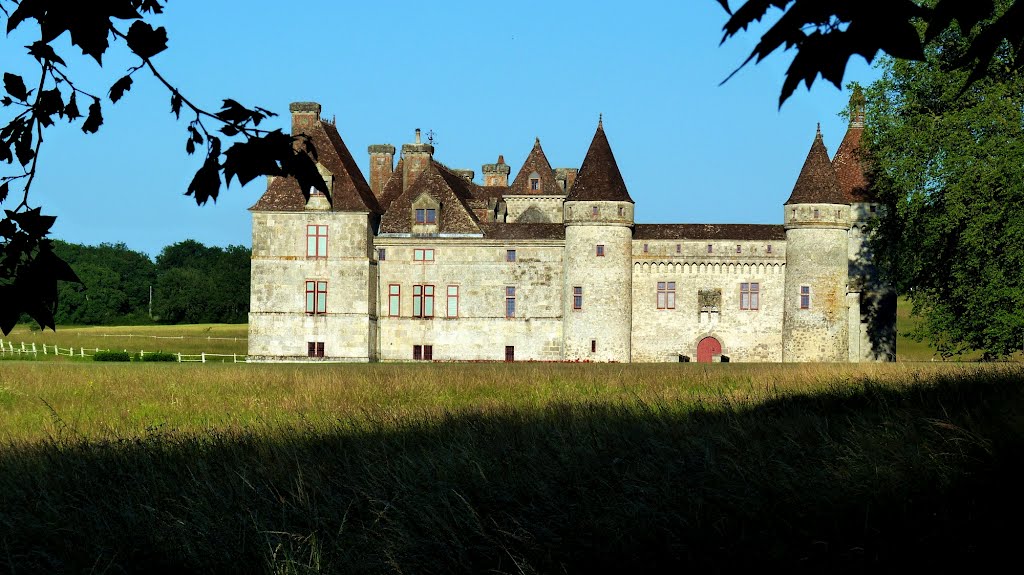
<point x="125" y="356"/>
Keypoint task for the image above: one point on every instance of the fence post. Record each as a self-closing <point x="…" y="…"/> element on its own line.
<point x="142" y="353"/>
<point x="34" y="348"/>
<point x="203" y="355"/>
<point x="44" y="349"/>
<point x="234" y="358"/>
<point x="179" y="357"/>
<point x="23" y="347"/>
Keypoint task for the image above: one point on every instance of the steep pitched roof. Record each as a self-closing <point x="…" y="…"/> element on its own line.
<point x="709" y="232"/>
<point x="850" y="164"/>
<point x="445" y="186"/>
<point x="599" y="178"/>
<point x="350" y="193"/>
<point x="536" y="161"/>
<point x="817" y="182"/>
<point x="393" y="187"/>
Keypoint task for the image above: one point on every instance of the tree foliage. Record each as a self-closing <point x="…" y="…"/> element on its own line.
<point x="947" y="165"/>
<point x="827" y="33"/>
<point x="233" y="144"/>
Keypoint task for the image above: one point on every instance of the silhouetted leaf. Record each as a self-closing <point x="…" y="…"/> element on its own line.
<point x="176" y="102"/>
<point x="206" y="183"/>
<point x="4" y="189"/>
<point x="6" y="101"/>
<point x="145" y="41"/>
<point x="15" y="86"/>
<point x="42" y="51"/>
<point x="71" y="109"/>
<point x="50" y="103"/>
<point x="120" y="87"/>
<point x="23" y="147"/>
<point x="95" y="118"/>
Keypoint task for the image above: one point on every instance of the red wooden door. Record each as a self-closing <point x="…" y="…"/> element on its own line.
<point x="707" y="348"/>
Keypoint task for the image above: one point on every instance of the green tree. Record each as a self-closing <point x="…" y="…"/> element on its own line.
<point x="200" y="284"/>
<point x="947" y="166"/>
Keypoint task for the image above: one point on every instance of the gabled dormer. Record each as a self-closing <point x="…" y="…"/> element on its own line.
<point x="425" y="214"/>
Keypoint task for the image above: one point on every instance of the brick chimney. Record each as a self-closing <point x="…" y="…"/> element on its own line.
<point x="417" y="157"/>
<point x="496" y="174"/>
<point x="382" y="164"/>
<point x="305" y="115"/>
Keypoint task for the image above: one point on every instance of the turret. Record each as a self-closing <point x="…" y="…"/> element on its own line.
<point x="598" y="216"/>
<point x="817" y="223"/>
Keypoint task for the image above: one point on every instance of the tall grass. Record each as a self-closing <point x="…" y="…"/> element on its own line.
<point x="196" y="338"/>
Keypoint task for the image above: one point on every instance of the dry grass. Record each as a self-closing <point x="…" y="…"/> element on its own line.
<point x="189" y="339"/>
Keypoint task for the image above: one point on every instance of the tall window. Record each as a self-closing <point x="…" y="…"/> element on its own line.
<point x="600" y="250"/>
<point x="805" y="297"/>
<point x="594" y="211"/>
<point x="769" y="248"/>
<point x="510" y="301"/>
<point x="394" y="300"/>
<point x="426" y="216"/>
<point x="422" y="301"/>
<point x="577" y="297"/>
<point x="739" y="249"/>
<point x="510" y="255"/>
<point x="315" y="348"/>
<point x="453" y="301"/>
<point x="423" y="255"/>
<point x="750" y="296"/>
<point x="316" y="297"/>
<point x="645" y="248"/>
<point x="535" y="184"/>
<point x="381" y="254"/>
<point x="316" y="241"/>
<point x="666" y="295"/>
<point x="679" y="248"/>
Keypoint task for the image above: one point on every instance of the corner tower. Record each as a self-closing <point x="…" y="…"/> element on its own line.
<point x="817" y="221"/>
<point x="598" y="216"/>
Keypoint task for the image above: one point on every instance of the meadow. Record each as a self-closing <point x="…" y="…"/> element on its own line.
<point x="508" y="468"/>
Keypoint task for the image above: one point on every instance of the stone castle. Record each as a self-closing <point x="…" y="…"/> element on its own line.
<point x="422" y="263"/>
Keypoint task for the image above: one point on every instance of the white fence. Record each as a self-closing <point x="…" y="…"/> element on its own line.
<point x="132" y="335"/>
<point x="23" y="349"/>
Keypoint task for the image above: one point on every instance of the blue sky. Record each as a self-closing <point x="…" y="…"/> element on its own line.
<point x="485" y="77"/>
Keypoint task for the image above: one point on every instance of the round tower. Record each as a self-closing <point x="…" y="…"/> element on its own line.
<point x="598" y="280"/>
<point x="817" y="221"/>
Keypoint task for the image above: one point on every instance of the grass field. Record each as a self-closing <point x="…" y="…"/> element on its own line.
<point x="189" y="339"/>
<point x="523" y="468"/>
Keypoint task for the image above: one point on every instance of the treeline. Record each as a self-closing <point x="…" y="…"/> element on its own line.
<point x="190" y="282"/>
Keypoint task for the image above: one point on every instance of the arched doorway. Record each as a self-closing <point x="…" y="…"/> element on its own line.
<point x="707" y="348"/>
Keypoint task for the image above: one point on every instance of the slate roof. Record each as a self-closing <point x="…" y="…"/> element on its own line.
<point x="709" y="232"/>
<point x="599" y="178"/>
<point x="817" y="181"/>
<point x="351" y="193"/>
<point x="445" y="186"/>
<point x="849" y="164"/>
<point x="503" y="231"/>
<point x="536" y="161"/>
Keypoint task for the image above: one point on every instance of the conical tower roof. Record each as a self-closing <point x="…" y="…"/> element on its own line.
<point x="850" y="162"/>
<point x="599" y="178"/>
<point x="817" y="182"/>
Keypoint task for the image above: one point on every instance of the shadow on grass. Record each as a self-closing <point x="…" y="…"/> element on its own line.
<point x="863" y="477"/>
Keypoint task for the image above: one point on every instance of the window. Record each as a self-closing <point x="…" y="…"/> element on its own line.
<point x="510" y="353"/>
<point x="816" y="214"/>
<point x="423" y="301"/>
<point x="750" y="296"/>
<point x="666" y="295"/>
<point x="620" y="211"/>
<point x="710" y="248"/>
<point x="510" y="255"/>
<point x="316" y="297"/>
<point x="645" y="248"/>
<point x="769" y="248"/>
<point x="423" y="352"/>
<point x="394" y="300"/>
<point x="874" y="208"/>
<point x="577" y="297"/>
<point x="453" y="301"/>
<point x="600" y="250"/>
<point x="594" y="211"/>
<point x="805" y="297"/>
<point x="316" y="241"/>
<point x="534" y="184"/>
<point x="593" y="346"/>
<point x="381" y="254"/>
<point x="739" y="249"/>
<point x="417" y="352"/>
<point x="679" y="248"/>
<point x="315" y="348"/>
<point x="510" y="301"/>
<point x="423" y="255"/>
<point x="426" y="216"/>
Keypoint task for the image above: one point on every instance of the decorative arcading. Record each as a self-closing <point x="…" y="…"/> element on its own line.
<point x="699" y="268"/>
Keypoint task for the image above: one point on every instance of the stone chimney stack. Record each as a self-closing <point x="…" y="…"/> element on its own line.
<point x="305" y="115"/>
<point x="496" y="174"/>
<point x="417" y="157"/>
<point x="382" y="164"/>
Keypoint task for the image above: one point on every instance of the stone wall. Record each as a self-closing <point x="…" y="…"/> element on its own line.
<point x="548" y="207"/>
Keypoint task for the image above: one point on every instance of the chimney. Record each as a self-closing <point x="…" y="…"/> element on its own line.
<point x="305" y="115"/>
<point x="467" y="174"/>
<point x="496" y="174"/>
<point x="382" y="164"/>
<point x="417" y="157"/>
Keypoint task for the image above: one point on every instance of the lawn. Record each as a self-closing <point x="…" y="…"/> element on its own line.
<point x="521" y="468"/>
<point x="188" y="339"/>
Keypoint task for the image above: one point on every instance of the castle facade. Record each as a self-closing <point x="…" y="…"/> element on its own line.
<point x="421" y="263"/>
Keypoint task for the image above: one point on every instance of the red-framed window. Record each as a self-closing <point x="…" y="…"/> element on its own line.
<point x="315" y="348"/>
<point x="600" y="250"/>
<point x="316" y="297"/>
<point x="510" y="255"/>
<point x="394" y="300"/>
<point x="750" y="296"/>
<point x="423" y="255"/>
<point x="316" y="241"/>
<point x="426" y="216"/>
<point x="423" y="301"/>
<point x="666" y="295"/>
<point x="423" y="352"/>
<point x="510" y="301"/>
<point x="534" y="184"/>
<point x="805" y="297"/>
<point x="577" y="297"/>
<point x="453" y="301"/>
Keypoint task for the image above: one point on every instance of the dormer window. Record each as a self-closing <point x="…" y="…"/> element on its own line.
<point x="426" y="216"/>
<point x="534" y="182"/>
